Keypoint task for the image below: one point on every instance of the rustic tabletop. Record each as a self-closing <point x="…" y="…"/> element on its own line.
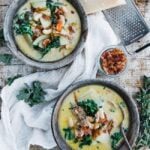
<point x="139" y="65"/>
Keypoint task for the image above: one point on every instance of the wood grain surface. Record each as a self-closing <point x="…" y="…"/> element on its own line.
<point x="139" y="65"/>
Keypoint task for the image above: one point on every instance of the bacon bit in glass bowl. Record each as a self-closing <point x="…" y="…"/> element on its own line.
<point x="113" y="61"/>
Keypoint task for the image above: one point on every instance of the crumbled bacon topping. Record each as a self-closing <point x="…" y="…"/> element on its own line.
<point x="46" y="17"/>
<point x="71" y="29"/>
<point x="46" y="42"/>
<point x="113" y="61"/>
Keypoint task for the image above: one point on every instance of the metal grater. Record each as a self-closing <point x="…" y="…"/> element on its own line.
<point x="127" y="22"/>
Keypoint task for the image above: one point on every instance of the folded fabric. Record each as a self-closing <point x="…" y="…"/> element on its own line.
<point x="22" y="125"/>
<point x="92" y="6"/>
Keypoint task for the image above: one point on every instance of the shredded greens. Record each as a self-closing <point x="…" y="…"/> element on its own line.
<point x="89" y="106"/>
<point x="69" y="135"/>
<point x="53" y="6"/>
<point x="115" y="138"/>
<point x="87" y="140"/>
<point x="22" y="24"/>
<point x="54" y="44"/>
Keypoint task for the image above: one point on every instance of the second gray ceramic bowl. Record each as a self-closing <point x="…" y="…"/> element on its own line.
<point x="133" y="111"/>
<point x="9" y="37"/>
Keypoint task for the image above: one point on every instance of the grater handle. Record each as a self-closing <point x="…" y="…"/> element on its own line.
<point x="142" y="48"/>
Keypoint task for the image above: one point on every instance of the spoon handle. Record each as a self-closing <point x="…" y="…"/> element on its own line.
<point x="125" y="138"/>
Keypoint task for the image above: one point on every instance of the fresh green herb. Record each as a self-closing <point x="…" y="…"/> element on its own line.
<point x="89" y="106"/>
<point x="2" y="40"/>
<point x="122" y="104"/>
<point x="98" y="141"/>
<point x="22" y="24"/>
<point x="6" y="58"/>
<point x="54" y="44"/>
<point x="10" y="80"/>
<point x="143" y="99"/>
<point x="33" y="94"/>
<point x="51" y="5"/>
<point x="68" y="134"/>
<point x="75" y="140"/>
<point x="87" y="140"/>
<point x="112" y="110"/>
<point x="116" y="137"/>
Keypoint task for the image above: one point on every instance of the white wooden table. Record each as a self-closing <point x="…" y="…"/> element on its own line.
<point x="138" y="66"/>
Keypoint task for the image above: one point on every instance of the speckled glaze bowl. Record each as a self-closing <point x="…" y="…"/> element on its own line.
<point x="133" y="112"/>
<point x="9" y="37"/>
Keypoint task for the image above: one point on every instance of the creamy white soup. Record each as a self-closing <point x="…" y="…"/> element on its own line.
<point x="47" y="30"/>
<point x="90" y="118"/>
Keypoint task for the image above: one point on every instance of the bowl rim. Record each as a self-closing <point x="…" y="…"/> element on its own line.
<point x="131" y="104"/>
<point x="12" y="45"/>
<point x="109" y="48"/>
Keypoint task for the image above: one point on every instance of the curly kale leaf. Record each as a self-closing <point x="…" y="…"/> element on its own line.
<point x="22" y="24"/>
<point x="33" y="94"/>
<point x="89" y="106"/>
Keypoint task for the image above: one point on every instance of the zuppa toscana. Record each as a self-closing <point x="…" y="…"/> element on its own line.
<point x="47" y="30"/>
<point x="90" y="118"/>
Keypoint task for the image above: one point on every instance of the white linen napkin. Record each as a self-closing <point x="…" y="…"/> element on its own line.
<point x="22" y="125"/>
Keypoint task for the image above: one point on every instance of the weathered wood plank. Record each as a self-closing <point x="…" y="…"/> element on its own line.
<point x="3" y="10"/>
<point x="5" y="2"/>
<point x="12" y="70"/>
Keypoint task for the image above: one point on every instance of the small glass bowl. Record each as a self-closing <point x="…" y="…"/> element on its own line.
<point x="101" y="70"/>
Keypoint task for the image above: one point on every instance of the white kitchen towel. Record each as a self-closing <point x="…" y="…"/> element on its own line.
<point x="22" y="125"/>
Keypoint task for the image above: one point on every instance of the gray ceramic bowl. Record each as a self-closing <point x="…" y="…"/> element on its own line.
<point x="133" y="111"/>
<point x="9" y="37"/>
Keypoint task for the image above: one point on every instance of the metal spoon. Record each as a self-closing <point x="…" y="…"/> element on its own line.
<point x="122" y="130"/>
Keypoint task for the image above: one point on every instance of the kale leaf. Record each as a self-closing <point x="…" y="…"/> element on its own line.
<point x="6" y="58"/>
<point x="10" y="80"/>
<point x="68" y="134"/>
<point x="54" y="44"/>
<point x="53" y="6"/>
<point x="22" y="24"/>
<point x="33" y="94"/>
<point x="116" y="137"/>
<point x="89" y="106"/>
<point x="87" y="140"/>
